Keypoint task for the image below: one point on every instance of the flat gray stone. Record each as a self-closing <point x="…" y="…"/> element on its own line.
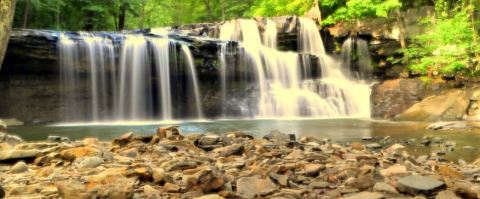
<point x="415" y="184"/>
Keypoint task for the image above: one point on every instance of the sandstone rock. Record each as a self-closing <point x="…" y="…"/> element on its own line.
<point x="18" y="154"/>
<point x="318" y="184"/>
<point x="74" y="153"/>
<point x="167" y="132"/>
<point x="448" y="125"/>
<point x="173" y="188"/>
<point x="151" y="192"/>
<point x="278" y="137"/>
<point x="123" y="139"/>
<point x="250" y="187"/>
<point x="415" y="184"/>
<point x="75" y="190"/>
<point x="111" y="184"/>
<point x="2" y="192"/>
<point x="449" y="172"/>
<point x="19" y="167"/>
<point x="451" y="105"/>
<point x="385" y="188"/>
<point x="447" y="194"/>
<point x="88" y="162"/>
<point x="394" y="170"/>
<point x="211" y="196"/>
<point x="295" y="154"/>
<point x="11" y="140"/>
<point x="235" y="149"/>
<point x="158" y="175"/>
<point x="313" y="169"/>
<point x="360" y="183"/>
<point x="365" y="195"/>
<point x="374" y="146"/>
<point x="357" y="146"/>
<point x="466" y="189"/>
<point x="3" y="126"/>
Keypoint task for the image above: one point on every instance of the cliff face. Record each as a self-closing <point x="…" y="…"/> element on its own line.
<point x="7" y="9"/>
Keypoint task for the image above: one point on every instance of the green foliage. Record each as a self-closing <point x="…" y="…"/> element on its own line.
<point x="446" y="47"/>
<point x="347" y="10"/>
<point x="270" y="8"/>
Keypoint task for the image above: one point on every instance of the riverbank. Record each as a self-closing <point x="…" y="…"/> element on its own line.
<point x="233" y="165"/>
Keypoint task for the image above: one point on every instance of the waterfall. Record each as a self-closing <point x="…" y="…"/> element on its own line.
<point x="356" y="58"/>
<point x="270" y="34"/>
<point x="286" y="83"/>
<point x="88" y="53"/>
<point x="136" y="81"/>
<point x="161" y="53"/>
<point x="135" y="97"/>
<point x="193" y="76"/>
<point x="111" y="76"/>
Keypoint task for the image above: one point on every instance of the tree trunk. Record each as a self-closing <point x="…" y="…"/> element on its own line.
<point x="26" y="10"/>
<point x="121" y="16"/>
<point x="7" y="10"/>
<point x="401" y="28"/>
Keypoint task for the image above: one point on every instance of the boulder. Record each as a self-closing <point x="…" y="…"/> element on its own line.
<point x="394" y="170"/>
<point x="151" y="192"/>
<point x="447" y="194"/>
<point x="88" y="162"/>
<point x="172" y="188"/>
<point x="111" y="184"/>
<point x="18" y="154"/>
<point x="235" y="149"/>
<point x="11" y="140"/>
<point x="19" y="167"/>
<point x="123" y="139"/>
<point x="451" y="105"/>
<point x="77" y="152"/>
<point x="75" y="190"/>
<point x="416" y="184"/>
<point x="251" y="187"/>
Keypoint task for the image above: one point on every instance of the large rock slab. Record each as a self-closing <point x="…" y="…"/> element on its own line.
<point x="250" y="187"/>
<point x="18" y="154"/>
<point x="416" y="184"/>
<point x="451" y="105"/>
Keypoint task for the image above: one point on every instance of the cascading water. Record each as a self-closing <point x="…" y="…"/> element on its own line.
<point x="139" y="87"/>
<point x="356" y="58"/>
<point x="287" y="87"/>
<point x="193" y="76"/>
<point x="135" y="96"/>
<point x="94" y="54"/>
<point x="161" y="49"/>
<point x="270" y="34"/>
<point x="148" y="77"/>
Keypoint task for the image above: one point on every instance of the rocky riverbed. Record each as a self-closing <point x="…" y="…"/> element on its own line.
<point x="168" y="164"/>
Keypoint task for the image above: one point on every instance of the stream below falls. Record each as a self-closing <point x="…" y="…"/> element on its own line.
<point x="342" y="130"/>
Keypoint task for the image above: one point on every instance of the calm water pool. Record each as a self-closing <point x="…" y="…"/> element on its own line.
<point x="340" y="130"/>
